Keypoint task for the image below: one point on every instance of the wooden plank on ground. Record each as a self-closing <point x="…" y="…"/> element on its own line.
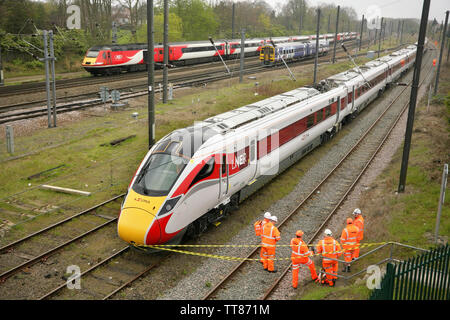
<point x="65" y="190"/>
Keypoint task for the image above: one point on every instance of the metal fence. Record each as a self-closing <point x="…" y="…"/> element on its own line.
<point x="425" y="277"/>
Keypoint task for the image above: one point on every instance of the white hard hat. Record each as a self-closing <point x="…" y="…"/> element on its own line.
<point x="274" y="218"/>
<point x="267" y="215"/>
<point x="357" y="211"/>
<point x="328" y="232"/>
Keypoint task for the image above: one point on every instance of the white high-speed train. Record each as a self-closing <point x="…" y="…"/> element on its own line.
<point x="192" y="177"/>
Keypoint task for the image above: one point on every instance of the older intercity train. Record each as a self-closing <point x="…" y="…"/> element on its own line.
<point x="194" y="176"/>
<point x="117" y="58"/>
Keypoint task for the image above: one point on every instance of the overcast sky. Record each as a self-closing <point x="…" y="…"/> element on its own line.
<point x="388" y="8"/>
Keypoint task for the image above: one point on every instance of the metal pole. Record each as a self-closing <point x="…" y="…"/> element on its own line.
<point x="241" y="68"/>
<point x="440" y="54"/>
<point x="379" y="38"/>
<point x="232" y="21"/>
<point x="52" y="57"/>
<point x="47" y="79"/>
<point x="335" y="34"/>
<point x="166" y="50"/>
<point x="301" y="19"/>
<point x="401" y="33"/>
<point x="441" y="200"/>
<point x="316" y="56"/>
<point x="413" y="97"/>
<point x="10" y="139"/>
<point x="448" y="45"/>
<point x="2" y="81"/>
<point x="398" y="31"/>
<point x="151" y="75"/>
<point x="114" y="32"/>
<point x="361" y="34"/>
<point x="329" y="20"/>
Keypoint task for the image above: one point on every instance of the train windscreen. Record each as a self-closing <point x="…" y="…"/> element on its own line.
<point x="159" y="174"/>
<point x="92" y="54"/>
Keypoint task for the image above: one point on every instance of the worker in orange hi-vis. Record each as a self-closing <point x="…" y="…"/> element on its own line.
<point x="300" y="255"/>
<point x="330" y="250"/>
<point x="259" y="225"/>
<point x="349" y="240"/>
<point x="359" y="222"/>
<point x="270" y="236"/>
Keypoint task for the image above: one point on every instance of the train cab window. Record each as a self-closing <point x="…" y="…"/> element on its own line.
<point x="310" y="121"/>
<point x="104" y="55"/>
<point x="92" y="54"/>
<point x="205" y="172"/>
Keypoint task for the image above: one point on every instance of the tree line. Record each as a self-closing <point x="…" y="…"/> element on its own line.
<point x="188" y="20"/>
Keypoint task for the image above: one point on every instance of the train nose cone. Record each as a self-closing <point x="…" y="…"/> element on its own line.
<point x="137" y="226"/>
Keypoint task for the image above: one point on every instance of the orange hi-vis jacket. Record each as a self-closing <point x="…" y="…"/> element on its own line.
<point x="300" y="250"/>
<point x="329" y="248"/>
<point x="270" y="235"/>
<point x="349" y="237"/>
<point x="359" y="222"/>
<point x="259" y="225"/>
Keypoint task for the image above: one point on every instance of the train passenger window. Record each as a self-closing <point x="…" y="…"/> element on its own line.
<point x="327" y="111"/>
<point x="310" y="121"/>
<point x="343" y="103"/>
<point x="252" y="150"/>
<point x="350" y="97"/>
<point x="319" y="115"/>
<point x="205" y="172"/>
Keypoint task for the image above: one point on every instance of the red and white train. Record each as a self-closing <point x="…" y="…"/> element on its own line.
<point x="115" y="58"/>
<point x="194" y="176"/>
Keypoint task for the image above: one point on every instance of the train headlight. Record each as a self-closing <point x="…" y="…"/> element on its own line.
<point x="169" y="205"/>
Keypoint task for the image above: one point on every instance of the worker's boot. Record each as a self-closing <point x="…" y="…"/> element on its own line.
<point x="275" y="270"/>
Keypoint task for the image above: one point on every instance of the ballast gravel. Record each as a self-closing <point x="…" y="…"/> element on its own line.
<point x="252" y="280"/>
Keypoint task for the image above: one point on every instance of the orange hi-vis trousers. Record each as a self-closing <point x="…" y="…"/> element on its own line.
<point x="296" y="262"/>
<point x="268" y="254"/>
<point x="330" y="266"/>
<point x="350" y="251"/>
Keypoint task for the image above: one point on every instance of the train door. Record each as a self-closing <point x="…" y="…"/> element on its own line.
<point x="253" y="159"/>
<point x="223" y="177"/>
<point x="108" y="57"/>
<point x="159" y="55"/>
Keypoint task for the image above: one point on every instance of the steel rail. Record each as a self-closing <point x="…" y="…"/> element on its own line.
<point x="121" y="251"/>
<point x="34" y="87"/>
<point x="187" y="81"/>
<point x="48" y="253"/>
<point x="333" y="211"/>
<point x="308" y="197"/>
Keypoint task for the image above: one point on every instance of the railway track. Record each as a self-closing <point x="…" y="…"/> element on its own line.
<point x="7" y="113"/>
<point x="323" y="201"/>
<point x="33" y="87"/>
<point x="39" y="246"/>
<point x="119" y="257"/>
